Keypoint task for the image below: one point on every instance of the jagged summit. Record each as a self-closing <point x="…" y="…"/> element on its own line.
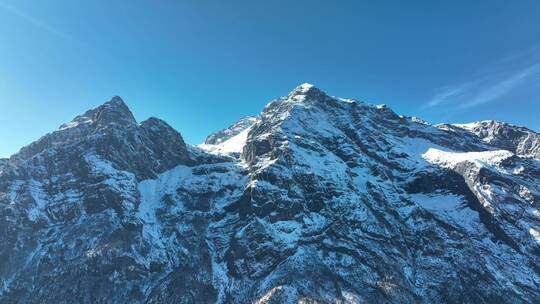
<point x="111" y="114"/>
<point x="153" y="121"/>
<point x="116" y="100"/>
<point x="306" y="87"/>
<point x="114" y="111"/>
<point x="306" y="91"/>
<point x="111" y="131"/>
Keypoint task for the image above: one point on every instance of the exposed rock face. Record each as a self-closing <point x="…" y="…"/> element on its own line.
<point x="330" y="200"/>
<point x="113" y="113"/>
<point x="111" y="132"/>
<point x="74" y="192"/>
<point x="519" y="140"/>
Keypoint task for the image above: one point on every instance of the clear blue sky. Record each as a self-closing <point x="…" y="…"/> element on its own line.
<point x="199" y="65"/>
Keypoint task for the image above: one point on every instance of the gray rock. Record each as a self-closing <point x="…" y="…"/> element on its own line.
<point x="517" y="139"/>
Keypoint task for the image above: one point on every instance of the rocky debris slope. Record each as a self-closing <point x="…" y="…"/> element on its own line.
<point x="318" y="199"/>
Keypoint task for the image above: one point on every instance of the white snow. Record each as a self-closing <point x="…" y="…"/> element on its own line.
<point x="413" y="148"/>
<point x="152" y="192"/>
<point x="75" y="123"/>
<point x="451" y="159"/>
<point x="40" y="200"/>
<point x="100" y="166"/>
<point x="535" y="234"/>
<point x="234" y="144"/>
<point x="287" y="232"/>
<point x="305" y="86"/>
<point x="442" y="202"/>
<point x="472" y="125"/>
<point x="269" y="295"/>
<point x="518" y="170"/>
<point x="419" y="120"/>
<point x="329" y="167"/>
<point x="450" y="206"/>
<point x="181" y="179"/>
<point x="122" y="181"/>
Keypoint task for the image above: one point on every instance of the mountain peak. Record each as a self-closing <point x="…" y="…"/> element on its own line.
<point x="156" y="124"/>
<point x="306" y="91"/>
<point x="116" y="98"/>
<point x="114" y="111"/>
<point x="116" y="101"/>
<point x="306" y="86"/>
<point x="110" y="113"/>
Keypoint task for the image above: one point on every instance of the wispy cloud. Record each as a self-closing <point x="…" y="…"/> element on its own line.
<point x="32" y="20"/>
<point x="509" y="74"/>
<point x="502" y="87"/>
<point x="448" y="93"/>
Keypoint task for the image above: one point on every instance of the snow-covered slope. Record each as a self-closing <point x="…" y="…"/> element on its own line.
<point x="318" y="199"/>
<point x="235" y="144"/>
<point x="231" y="140"/>
<point x="451" y="159"/>
<point x="238" y="127"/>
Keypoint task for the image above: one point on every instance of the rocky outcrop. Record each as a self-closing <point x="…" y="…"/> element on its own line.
<point x="519" y="140"/>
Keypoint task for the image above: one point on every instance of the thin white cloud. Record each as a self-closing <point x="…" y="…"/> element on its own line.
<point x="448" y="94"/>
<point x="32" y="20"/>
<point x="501" y="79"/>
<point x="501" y="87"/>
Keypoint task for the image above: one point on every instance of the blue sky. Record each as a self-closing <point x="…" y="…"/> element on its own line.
<point x="200" y="65"/>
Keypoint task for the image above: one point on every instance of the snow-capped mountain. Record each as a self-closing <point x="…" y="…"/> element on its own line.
<point x="316" y="200"/>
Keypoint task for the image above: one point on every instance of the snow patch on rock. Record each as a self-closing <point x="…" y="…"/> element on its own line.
<point x="234" y="144"/>
<point x="451" y="159"/>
